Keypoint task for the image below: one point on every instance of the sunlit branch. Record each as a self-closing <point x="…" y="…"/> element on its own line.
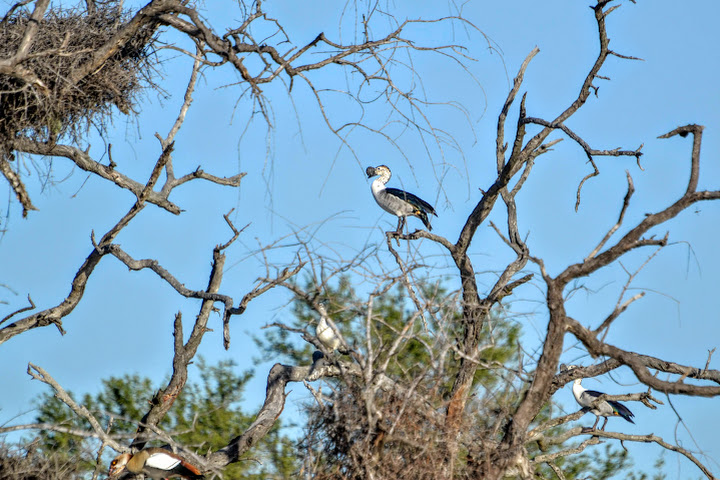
<point x="651" y="438"/>
<point x="275" y="397"/>
<point x="85" y="162"/>
<point x="15" y="183"/>
<point x="640" y="364"/>
<point x="53" y="427"/>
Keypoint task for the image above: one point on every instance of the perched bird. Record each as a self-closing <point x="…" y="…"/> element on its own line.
<point x="396" y="201"/>
<point x="325" y="333"/>
<point x="155" y="463"/>
<point x="318" y="363"/>
<point x="602" y="408"/>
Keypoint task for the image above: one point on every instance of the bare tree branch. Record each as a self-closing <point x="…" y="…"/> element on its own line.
<point x="278" y="378"/>
<point x="651" y="438"/>
<point x="16" y="183"/>
<point x="641" y="364"/>
<point x="54" y="315"/>
<point x="86" y="163"/>
<point x="16" y="312"/>
<point x="39" y="374"/>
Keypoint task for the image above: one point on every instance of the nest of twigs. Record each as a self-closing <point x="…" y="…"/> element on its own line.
<point x="26" y="463"/>
<point x="405" y="444"/>
<point x="63" y="45"/>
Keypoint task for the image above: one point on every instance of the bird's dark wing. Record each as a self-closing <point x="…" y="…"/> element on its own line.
<point x="593" y="393"/>
<point x="411" y="199"/>
<point x="621" y="410"/>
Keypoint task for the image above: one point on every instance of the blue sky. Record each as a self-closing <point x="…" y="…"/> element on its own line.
<point x="299" y="175"/>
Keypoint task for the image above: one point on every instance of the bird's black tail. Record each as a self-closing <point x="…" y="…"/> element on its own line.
<point x="423" y="216"/>
<point x="621" y="410"/>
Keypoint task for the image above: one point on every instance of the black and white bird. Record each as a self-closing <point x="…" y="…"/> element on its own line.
<point x="398" y="202"/>
<point x="326" y="334"/>
<point x="603" y="408"/>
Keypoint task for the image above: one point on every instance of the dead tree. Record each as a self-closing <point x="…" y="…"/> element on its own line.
<point x="64" y="72"/>
<point x="392" y="407"/>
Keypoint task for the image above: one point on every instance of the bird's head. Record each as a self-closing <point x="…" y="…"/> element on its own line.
<point x="317" y="356"/>
<point x="566" y="368"/>
<point x="118" y="464"/>
<point x="321" y="308"/>
<point x="381" y="170"/>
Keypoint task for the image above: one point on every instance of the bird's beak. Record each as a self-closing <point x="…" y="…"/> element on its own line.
<point x="115" y="468"/>
<point x="370" y="171"/>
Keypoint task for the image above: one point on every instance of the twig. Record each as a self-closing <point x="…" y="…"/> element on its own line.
<point x="25" y="309"/>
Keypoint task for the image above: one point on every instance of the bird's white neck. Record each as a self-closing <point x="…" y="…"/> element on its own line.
<point x="378" y="185"/>
<point x="578" y="389"/>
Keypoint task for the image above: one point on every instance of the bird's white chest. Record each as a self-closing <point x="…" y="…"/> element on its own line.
<point x="578" y="390"/>
<point x="378" y="191"/>
<point x="600" y="408"/>
<point x="387" y="202"/>
<point x="326" y="335"/>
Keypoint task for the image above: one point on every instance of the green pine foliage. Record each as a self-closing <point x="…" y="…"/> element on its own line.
<point x="335" y="432"/>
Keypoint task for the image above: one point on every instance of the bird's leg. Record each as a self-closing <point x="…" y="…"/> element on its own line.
<point x="590" y="429"/>
<point x="398" y="232"/>
<point x="604" y="423"/>
<point x="400" y="225"/>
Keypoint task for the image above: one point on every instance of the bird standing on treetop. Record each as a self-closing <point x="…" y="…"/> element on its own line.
<point x="155" y="463"/>
<point x="602" y="408"/>
<point x="326" y="334"/>
<point x="396" y="201"/>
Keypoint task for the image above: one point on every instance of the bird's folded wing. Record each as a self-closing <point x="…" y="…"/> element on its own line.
<point x="162" y="461"/>
<point x="412" y="199"/>
<point x="593" y="393"/>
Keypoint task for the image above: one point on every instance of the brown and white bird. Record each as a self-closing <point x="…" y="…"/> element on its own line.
<point x="154" y="463"/>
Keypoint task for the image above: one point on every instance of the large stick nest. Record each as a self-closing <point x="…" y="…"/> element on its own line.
<point x="64" y="43"/>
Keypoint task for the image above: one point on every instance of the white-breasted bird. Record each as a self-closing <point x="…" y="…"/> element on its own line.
<point x="156" y="463"/>
<point x="602" y="408"/>
<point x="396" y="201"/>
<point x="325" y="333"/>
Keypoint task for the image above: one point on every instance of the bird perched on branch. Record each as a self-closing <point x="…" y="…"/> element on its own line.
<point x="396" y="201"/>
<point x="326" y="334"/>
<point x="155" y="463"/>
<point x="600" y="408"/>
